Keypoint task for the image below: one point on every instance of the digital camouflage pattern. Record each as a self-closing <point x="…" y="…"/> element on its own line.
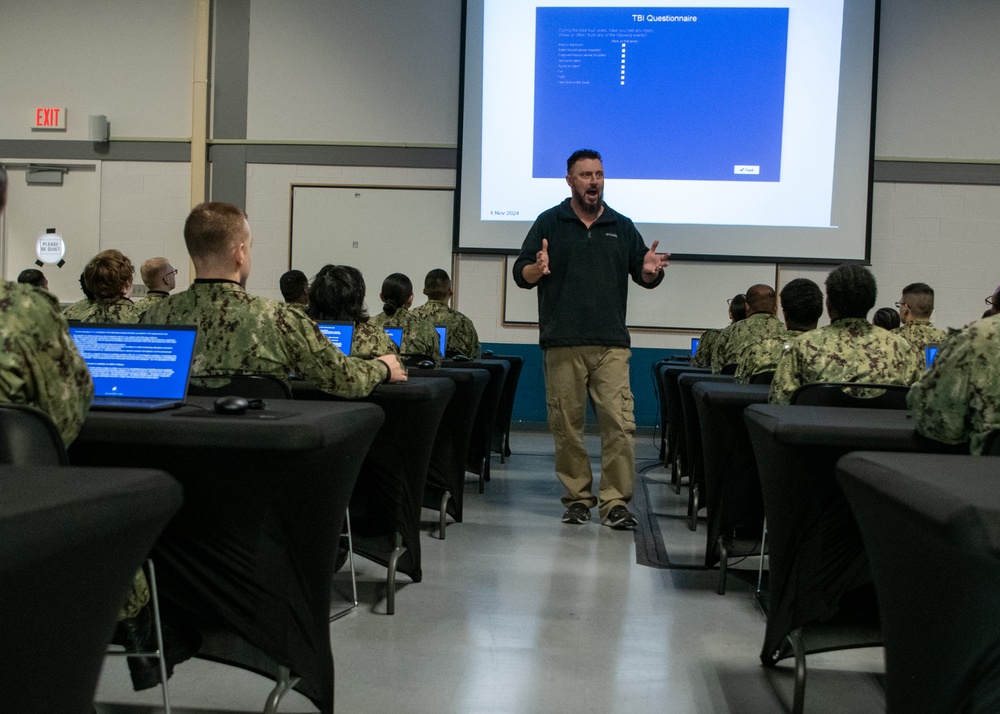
<point x="920" y="333"/>
<point x="39" y="363"/>
<point x="849" y="350"/>
<point x="763" y="356"/>
<point x="959" y="397"/>
<point x="462" y="336"/>
<point x="150" y="299"/>
<point x="370" y="341"/>
<point x="737" y="337"/>
<point x="239" y="333"/>
<point x="120" y="311"/>
<point x="77" y="309"/>
<point x="703" y="355"/>
<point x="419" y="336"/>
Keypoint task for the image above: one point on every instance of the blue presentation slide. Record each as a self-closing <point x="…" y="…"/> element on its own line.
<point x="663" y="93"/>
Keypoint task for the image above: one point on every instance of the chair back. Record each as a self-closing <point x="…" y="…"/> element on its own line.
<point x="249" y="386"/>
<point x="852" y="394"/>
<point x="762" y="377"/>
<point x="992" y="446"/>
<point x="28" y="437"/>
<point x="729" y="369"/>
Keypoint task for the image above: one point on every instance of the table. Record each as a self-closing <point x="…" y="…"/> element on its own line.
<point x="385" y="505"/>
<point x="732" y="487"/>
<point x="505" y="408"/>
<point x="817" y="562"/>
<point x="481" y="445"/>
<point x="930" y="525"/>
<point x="445" y="488"/>
<point x="251" y="553"/>
<point x="694" y="465"/>
<point x="675" y="419"/>
<point x="71" y="540"/>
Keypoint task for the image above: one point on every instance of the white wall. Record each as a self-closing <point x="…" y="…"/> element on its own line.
<point x="131" y="61"/>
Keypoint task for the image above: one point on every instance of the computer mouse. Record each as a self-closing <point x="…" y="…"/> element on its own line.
<point x="460" y="358"/>
<point x="425" y="364"/>
<point x="231" y="404"/>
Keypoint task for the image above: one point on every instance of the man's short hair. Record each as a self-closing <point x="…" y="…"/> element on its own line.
<point x="581" y="154"/>
<point x="108" y="274"/>
<point x="851" y="291"/>
<point x="293" y="285"/>
<point x="802" y="302"/>
<point x="738" y="307"/>
<point x="150" y="272"/>
<point x="32" y="276"/>
<point x="437" y="284"/>
<point x="761" y="298"/>
<point x="213" y="228"/>
<point x="919" y="297"/>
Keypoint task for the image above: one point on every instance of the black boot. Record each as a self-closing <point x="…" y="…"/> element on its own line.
<point x="135" y="635"/>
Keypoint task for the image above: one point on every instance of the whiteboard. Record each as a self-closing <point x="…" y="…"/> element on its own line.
<point x="378" y="230"/>
<point x="692" y="296"/>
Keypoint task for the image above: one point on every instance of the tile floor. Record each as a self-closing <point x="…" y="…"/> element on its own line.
<point x="519" y="613"/>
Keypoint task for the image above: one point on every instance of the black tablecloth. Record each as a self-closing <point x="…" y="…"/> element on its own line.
<point x="816" y="559"/>
<point x="252" y="551"/>
<point x="732" y="486"/>
<point x="505" y="408"/>
<point x="931" y="529"/>
<point x="71" y="540"/>
<point x="446" y="470"/>
<point x="675" y="415"/>
<point x="695" y="467"/>
<point x="390" y="489"/>
<point x="481" y="444"/>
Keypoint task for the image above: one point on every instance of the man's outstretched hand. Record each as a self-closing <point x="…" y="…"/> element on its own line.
<point x="653" y="264"/>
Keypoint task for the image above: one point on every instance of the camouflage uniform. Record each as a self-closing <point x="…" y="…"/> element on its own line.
<point x="703" y="355"/>
<point x="849" y="350"/>
<point x="419" y="336"/>
<point x="763" y="356"/>
<point x="77" y="309"/>
<point x="737" y="337"/>
<point x="959" y="397"/>
<point x="462" y="335"/>
<point x="371" y="341"/>
<point x="920" y="333"/>
<point x="39" y="363"/>
<point x="239" y="333"/>
<point x="119" y="311"/>
<point x="151" y="298"/>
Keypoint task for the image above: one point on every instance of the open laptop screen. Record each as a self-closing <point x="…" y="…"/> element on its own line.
<point x="694" y="345"/>
<point x="442" y="331"/>
<point x="341" y="334"/>
<point x="144" y="361"/>
<point x="930" y="352"/>
<point x="396" y="333"/>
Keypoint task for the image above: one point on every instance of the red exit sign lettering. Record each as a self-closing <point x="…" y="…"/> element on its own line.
<point x="49" y="118"/>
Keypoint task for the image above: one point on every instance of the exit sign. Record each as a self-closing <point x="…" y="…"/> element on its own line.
<point x="49" y="118"/>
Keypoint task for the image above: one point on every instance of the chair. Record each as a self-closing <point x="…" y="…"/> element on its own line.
<point x="28" y="437"/>
<point x="762" y="377"/>
<point x="249" y="386"/>
<point x="992" y="446"/>
<point x="851" y="394"/>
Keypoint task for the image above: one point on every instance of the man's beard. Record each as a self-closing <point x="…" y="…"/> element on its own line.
<point x="591" y="208"/>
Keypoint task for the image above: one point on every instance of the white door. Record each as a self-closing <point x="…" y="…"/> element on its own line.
<point x="73" y="209"/>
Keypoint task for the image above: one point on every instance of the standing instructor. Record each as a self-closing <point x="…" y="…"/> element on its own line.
<point x="579" y="255"/>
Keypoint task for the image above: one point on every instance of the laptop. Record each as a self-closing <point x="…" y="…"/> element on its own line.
<point x="930" y="352"/>
<point x="396" y="333"/>
<point x="341" y="334"/>
<point x="442" y="331"/>
<point x="136" y="367"/>
<point x="694" y="345"/>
